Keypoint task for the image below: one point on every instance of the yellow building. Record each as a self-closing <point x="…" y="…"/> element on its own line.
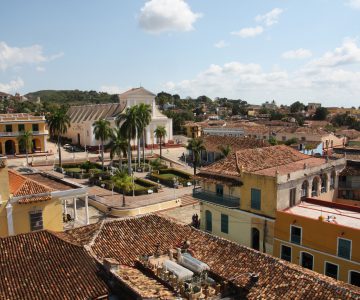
<point x="241" y="194"/>
<point x="27" y="204"/>
<point x="11" y="126"/>
<point x="321" y="236"/>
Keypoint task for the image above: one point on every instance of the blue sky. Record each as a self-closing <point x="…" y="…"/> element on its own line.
<point x="256" y="50"/>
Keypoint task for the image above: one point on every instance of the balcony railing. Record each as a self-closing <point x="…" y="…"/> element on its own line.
<point x="17" y="133"/>
<point x="211" y="197"/>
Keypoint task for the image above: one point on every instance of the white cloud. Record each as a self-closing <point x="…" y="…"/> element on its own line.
<point x="270" y="18"/>
<point x="112" y="89"/>
<point x="353" y="3"/>
<point x="157" y="16"/>
<point x="221" y="44"/>
<point x="297" y="54"/>
<point x="348" y="53"/>
<point x="325" y="81"/>
<point x="40" y="69"/>
<point x="15" y="56"/>
<point x="249" y="32"/>
<point x="12" y="86"/>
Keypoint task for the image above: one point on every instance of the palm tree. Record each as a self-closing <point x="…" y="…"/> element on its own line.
<point x="196" y="145"/>
<point x="118" y="145"/>
<point x="58" y="123"/>
<point x="123" y="181"/>
<point x="144" y="114"/>
<point x="102" y="132"/>
<point x="160" y="133"/>
<point x="225" y="150"/>
<point x="25" y="139"/>
<point x="128" y="128"/>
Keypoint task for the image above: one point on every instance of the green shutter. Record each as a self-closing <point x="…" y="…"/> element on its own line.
<point x="208" y="221"/>
<point x="256" y="199"/>
<point x="224" y="223"/>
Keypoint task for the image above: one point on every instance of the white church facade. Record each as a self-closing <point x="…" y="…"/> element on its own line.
<point x="83" y="117"/>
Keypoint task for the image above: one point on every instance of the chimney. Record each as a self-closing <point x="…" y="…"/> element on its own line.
<point x="4" y="179"/>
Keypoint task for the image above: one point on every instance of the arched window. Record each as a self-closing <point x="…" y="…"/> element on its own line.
<point x="304" y="189"/>
<point x="208" y="220"/>
<point x="255" y="238"/>
<point x="332" y="180"/>
<point x="314" y="187"/>
<point x="307" y="260"/>
<point x="324" y="183"/>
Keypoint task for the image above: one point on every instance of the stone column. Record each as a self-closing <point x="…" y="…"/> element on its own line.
<point x="65" y="208"/>
<point x="148" y="141"/>
<point x="75" y="211"/>
<point x="87" y="210"/>
<point x="10" y="220"/>
<point x="17" y="148"/>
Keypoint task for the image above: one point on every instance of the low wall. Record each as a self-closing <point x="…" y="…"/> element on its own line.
<point x="134" y="211"/>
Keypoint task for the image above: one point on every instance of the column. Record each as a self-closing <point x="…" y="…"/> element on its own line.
<point x="148" y="141"/>
<point x="45" y="144"/>
<point x="10" y="220"/>
<point x="75" y="211"/>
<point x="17" y="148"/>
<point x="65" y="208"/>
<point x="3" y="147"/>
<point x="87" y="210"/>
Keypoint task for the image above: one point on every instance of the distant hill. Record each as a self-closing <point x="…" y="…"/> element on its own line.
<point x="72" y="97"/>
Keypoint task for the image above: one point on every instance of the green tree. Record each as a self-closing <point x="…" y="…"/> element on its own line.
<point x="128" y="122"/>
<point x="124" y="182"/>
<point x="196" y="145"/>
<point x="160" y="133"/>
<point x="321" y="113"/>
<point x="162" y="98"/>
<point x="144" y="115"/>
<point x="25" y="139"/>
<point x="297" y="107"/>
<point x="102" y="132"/>
<point x="272" y="141"/>
<point x="118" y="145"/>
<point x="58" y="122"/>
<point x="225" y="150"/>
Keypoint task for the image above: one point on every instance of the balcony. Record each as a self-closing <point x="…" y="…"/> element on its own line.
<point x="213" y="198"/>
<point x="18" y="133"/>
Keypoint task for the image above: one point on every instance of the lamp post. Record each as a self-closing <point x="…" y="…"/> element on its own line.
<point x="175" y="186"/>
<point x="133" y="183"/>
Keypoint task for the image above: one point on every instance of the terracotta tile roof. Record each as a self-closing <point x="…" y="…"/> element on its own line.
<point x="125" y="240"/>
<point x="223" y="167"/>
<point x="213" y="142"/>
<point x="272" y="158"/>
<point x="40" y="265"/>
<point x="252" y="160"/>
<point x="19" y="185"/>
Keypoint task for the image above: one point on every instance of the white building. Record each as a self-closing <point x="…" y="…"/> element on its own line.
<point x="83" y="117"/>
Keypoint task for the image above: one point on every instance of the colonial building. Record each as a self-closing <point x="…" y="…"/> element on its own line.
<point x="82" y="118"/>
<point x="11" y="127"/>
<point x="35" y="201"/>
<point x="240" y="194"/>
<point x="321" y="236"/>
<point x="150" y="257"/>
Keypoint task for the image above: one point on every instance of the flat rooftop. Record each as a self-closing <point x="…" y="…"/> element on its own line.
<point x="340" y="214"/>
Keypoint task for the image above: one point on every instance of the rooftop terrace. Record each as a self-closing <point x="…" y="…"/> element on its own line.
<point x="334" y="213"/>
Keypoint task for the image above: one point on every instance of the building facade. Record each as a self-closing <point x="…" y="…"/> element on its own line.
<point x="82" y="118"/>
<point x="241" y="194"/>
<point x="321" y="236"/>
<point x="11" y="128"/>
<point x="34" y="202"/>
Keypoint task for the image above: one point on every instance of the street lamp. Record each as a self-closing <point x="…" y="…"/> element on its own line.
<point x="133" y="183"/>
<point x="175" y="185"/>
